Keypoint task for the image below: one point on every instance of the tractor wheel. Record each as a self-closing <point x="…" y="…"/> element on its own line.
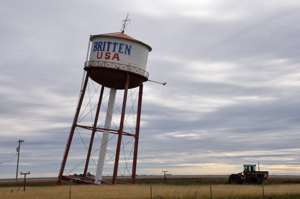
<point x="235" y="179"/>
<point x="259" y="179"/>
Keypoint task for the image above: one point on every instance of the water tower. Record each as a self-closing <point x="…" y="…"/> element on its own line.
<point x="117" y="62"/>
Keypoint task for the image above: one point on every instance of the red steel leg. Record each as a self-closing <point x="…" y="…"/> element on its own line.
<point x="115" y="174"/>
<point x="137" y="133"/>
<point x="68" y="145"/>
<point x="93" y="132"/>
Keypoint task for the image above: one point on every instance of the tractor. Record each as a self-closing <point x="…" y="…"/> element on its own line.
<point x="249" y="176"/>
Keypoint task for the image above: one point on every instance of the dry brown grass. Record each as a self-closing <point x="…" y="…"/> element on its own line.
<point x="143" y="191"/>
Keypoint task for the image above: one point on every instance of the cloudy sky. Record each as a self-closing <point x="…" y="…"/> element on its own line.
<point x="232" y="97"/>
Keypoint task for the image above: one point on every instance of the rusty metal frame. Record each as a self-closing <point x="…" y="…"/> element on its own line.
<point x="72" y="131"/>
<point x="120" y="131"/>
<point x="137" y="134"/>
<point x="99" y="129"/>
<point x="93" y="132"/>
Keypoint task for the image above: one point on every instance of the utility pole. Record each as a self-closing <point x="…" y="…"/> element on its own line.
<point x="165" y="175"/>
<point x="24" y="181"/>
<point x="18" y="159"/>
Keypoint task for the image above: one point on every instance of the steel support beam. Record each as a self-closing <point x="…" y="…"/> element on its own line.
<point x="115" y="174"/>
<point x="105" y="130"/>
<point x="68" y="145"/>
<point x="93" y="132"/>
<point x="137" y="133"/>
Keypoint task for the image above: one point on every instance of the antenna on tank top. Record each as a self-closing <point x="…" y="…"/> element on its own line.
<point x="125" y="23"/>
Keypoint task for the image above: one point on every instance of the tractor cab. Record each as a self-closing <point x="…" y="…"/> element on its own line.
<point x="249" y="168"/>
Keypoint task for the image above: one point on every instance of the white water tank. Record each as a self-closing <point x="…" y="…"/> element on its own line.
<point x="114" y="55"/>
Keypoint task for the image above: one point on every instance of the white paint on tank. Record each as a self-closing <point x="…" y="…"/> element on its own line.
<point x="120" y="54"/>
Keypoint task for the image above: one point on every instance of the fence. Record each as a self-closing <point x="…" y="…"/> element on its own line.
<point x="154" y="191"/>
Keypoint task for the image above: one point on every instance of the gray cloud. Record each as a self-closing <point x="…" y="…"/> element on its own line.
<point x="232" y="73"/>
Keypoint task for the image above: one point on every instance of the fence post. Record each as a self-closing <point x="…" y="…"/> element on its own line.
<point x="211" y="191"/>
<point x="263" y="190"/>
<point x="70" y="191"/>
<point x="151" y="191"/>
<point x="196" y="195"/>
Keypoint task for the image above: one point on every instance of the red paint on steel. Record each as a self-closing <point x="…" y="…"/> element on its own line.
<point x="68" y="145"/>
<point x="120" y="35"/>
<point x="93" y="132"/>
<point x="137" y="133"/>
<point x="115" y="174"/>
<point x="112" y="131"/>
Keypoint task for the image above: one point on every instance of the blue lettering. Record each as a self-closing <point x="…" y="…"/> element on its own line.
<point x="127" y="49"/>
<point x="114" y="46"/>
<point x="96" y="46"/>
<point x="108" y="46"/>
<point x="121" y="48"/>
<point x="103" y="44"/>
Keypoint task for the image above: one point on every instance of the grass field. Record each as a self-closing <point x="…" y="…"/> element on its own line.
<point x="159" y="191"/>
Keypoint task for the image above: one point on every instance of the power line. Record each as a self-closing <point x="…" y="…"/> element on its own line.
<point x="7" y="160"/>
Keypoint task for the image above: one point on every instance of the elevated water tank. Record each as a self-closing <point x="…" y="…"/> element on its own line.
<point x="113" y="55"/>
